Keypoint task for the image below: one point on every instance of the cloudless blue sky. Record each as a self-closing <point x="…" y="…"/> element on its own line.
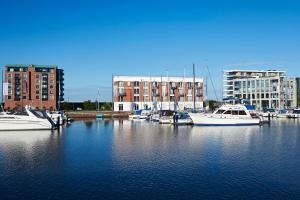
<point x="91" y="40"/>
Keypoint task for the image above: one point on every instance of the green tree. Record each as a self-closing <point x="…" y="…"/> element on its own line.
<point x="89" y="105"/>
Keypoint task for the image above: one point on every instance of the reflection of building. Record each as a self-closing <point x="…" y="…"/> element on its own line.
<point x="137" y="92"/>
<point x="265" y="89"/>
<point x="41" y="86"/>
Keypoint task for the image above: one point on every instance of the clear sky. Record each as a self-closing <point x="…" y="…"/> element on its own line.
<point x="91" y="40"/>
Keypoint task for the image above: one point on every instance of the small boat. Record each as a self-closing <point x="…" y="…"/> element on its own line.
<point x="54" y="115"/>
<point x="182" y="118"/>
<point x="227" y="115"/>
<point x="136" y="115"/>
<point x="166" y="117"/>
<point x="267" y="111"/>
<point x="283" y="114"/>
<point x="28" y="119"/>
<point x="296" y="113"/>
<point x="145" y="115"/>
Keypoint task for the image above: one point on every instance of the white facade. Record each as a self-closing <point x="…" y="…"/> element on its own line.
<point x="265" y="89"/>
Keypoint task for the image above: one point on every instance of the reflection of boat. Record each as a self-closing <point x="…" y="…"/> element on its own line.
<point x="29" y="119"/>
<point x="296" y="113"/>
<point x="166" y="117"/>
<point x="227" y="115"/>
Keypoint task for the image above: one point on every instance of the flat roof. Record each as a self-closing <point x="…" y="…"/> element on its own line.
<point x="238" y="70"/>
<point x="156" y="78"/>
<point x="30" y="65"/>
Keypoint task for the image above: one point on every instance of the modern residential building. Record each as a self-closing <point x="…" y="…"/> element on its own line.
<point x="144" y="92"/>
<point x="40" y="86"/>
<point x="263" y="88"/>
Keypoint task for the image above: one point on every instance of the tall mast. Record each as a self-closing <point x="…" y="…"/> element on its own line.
<point x="161" y="95"/>
<point x="194" y="87"/>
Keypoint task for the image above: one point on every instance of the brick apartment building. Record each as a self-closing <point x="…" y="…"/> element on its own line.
<point x="40" y="86"/>
<point x="139" y="92"/>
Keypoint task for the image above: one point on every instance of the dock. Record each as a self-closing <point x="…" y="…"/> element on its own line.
<point x="94" y="114"/>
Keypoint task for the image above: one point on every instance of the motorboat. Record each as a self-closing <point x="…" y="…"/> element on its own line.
<point x="140" y="115"/>
<point x="166" y="117"/>
<point x="227" y="115"/>
<point x="136" y="115"/>
<point x="283" y="114"/>
<point x="55" y="115"/>
<point x="296" y="113"/>
<point x="145" y="115"/>
<point x="28" y="119"/>
<point x="268" y="111"/>
<point x="182" y="118"/>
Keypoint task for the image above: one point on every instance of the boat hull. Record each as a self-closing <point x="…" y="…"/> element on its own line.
<point x="8" y="125"/>
<point x="209" y="120"/>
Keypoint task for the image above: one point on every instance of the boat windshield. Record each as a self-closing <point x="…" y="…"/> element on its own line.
<point x="220" y="111"/>
<point x="38" y="113"/>
<point x="296" y="112"/>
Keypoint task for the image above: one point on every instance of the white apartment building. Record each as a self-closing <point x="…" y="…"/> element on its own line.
<point x="144" y="92"/>
<point x="264" y="88"/>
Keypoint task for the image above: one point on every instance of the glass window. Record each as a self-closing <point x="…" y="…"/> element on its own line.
<point x="242" y="112"/>
<point x="228" y="112"/>
<point x="120" y="107"/>
<point x="235" y="112"/>
<point x="220" y="111"/>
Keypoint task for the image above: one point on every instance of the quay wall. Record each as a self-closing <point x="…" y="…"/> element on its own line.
<point x="92" y="114"/>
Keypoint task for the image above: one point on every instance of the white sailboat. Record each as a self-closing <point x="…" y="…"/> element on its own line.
<point x="227" y="115"/>
<point x="27" y="120"/>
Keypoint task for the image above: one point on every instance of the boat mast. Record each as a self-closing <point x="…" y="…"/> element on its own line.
<point x="161" y="96"/>
<point x="194" y="88"/>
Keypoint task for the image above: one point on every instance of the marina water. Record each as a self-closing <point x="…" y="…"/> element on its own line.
<point x="121" y="159"/>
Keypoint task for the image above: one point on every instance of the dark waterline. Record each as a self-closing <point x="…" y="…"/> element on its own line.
<point x="142" y="160"/>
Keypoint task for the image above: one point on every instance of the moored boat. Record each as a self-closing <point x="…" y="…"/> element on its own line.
<point x="28" y="119"/>
<point x="296" y="113"/>
<point x="227" y="115"/>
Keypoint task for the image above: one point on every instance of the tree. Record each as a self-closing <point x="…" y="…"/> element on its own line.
<point x="89" y="105"/>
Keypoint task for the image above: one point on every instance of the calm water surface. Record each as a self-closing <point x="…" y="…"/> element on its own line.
<point x="143" y="160"/>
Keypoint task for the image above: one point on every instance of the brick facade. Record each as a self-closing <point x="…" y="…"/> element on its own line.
<point x="39" y="86"/>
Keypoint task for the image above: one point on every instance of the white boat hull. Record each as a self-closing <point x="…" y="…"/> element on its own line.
<point x="209" y="120"/>
<point x="9" y="125"/>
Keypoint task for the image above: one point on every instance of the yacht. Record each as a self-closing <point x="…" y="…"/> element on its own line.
<point x="28" y="119"/>
<point x="296" y="113"/>
<point x="182" y="118"/>
<point x="166" y="117"/>
<point x="54" y="115"/>
<point x="283" y="114"/>
<point x="267" y="111"/>
<point x="227" y="115"/>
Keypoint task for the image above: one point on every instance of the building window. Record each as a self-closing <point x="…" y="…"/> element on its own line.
<point x="136" y="84"/>
<point x="136" y="98"/>
<point x="128" y="83"/>
<point x="37" y="97"/>
<point x="136" y="91"/>
<point x="121" y="84"/>
<point x="8" y="97"/>
<point x="120" y="98"/>
<point x="120" y="107"/>
<point x="145" y="84"/>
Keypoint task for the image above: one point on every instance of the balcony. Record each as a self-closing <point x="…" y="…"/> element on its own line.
<point x="121" y="93"/>
<point x="173" y="85"/>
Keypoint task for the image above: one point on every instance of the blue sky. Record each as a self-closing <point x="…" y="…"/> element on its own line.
<point x="92" y="40"/>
